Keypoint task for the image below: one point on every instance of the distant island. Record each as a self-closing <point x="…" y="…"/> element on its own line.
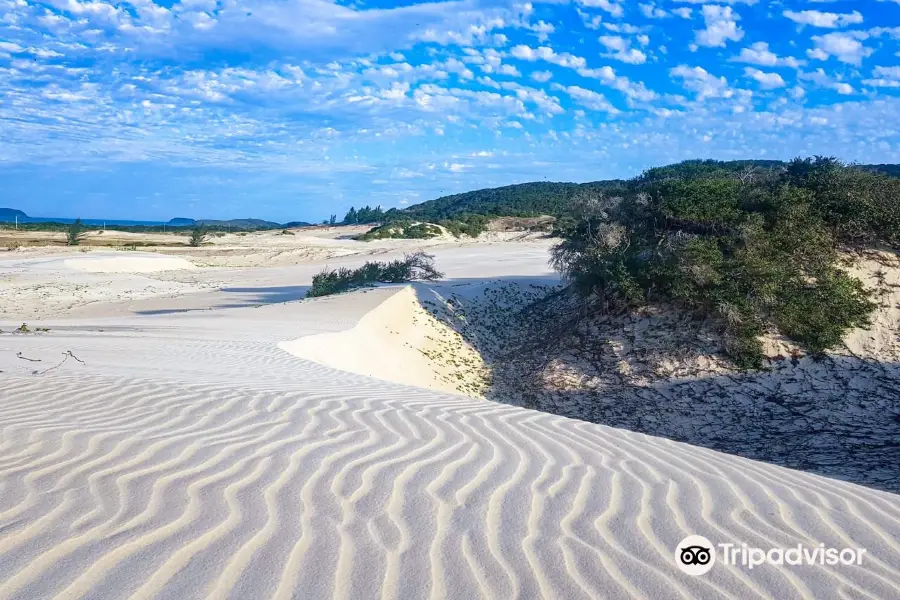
<point x="11" y="213"/>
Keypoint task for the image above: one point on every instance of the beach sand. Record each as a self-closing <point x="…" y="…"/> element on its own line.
<point x="169" y="438"/>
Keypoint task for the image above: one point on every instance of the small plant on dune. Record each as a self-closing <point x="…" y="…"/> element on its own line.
<point x="198" y="236"/>
<point x="75" y="233"/>
<point x="417" y="266"/>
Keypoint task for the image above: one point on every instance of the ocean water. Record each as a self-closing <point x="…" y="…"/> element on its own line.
<point x="4" y="219"/>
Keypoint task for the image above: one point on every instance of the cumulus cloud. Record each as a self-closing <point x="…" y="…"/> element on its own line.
<point x="620" y="49"/>
<point x="545" y="53"/>
<point x="845" y="47"/>
<point x="821" y="79"/>
<point x="590" y="99"/>
<point x="767" y="81"/>
<point x="826" y="20"/>
<point x="702" y="83"/>
<point x="721" y="26"/>
<point x="758" y="53"/>
<point x="651" y="11"/>
<point x="612" y="8"/>
<point x="884" y="77"/>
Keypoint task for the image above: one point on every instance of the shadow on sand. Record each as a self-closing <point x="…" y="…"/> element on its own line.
<point x="836" y="415"/>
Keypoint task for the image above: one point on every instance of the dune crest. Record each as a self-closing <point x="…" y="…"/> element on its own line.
<point x="399" y="341"/>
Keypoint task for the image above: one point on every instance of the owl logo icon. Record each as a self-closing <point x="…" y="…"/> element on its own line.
<point x="695" y="555"/>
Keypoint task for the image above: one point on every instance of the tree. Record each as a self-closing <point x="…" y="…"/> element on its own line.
<point x="75" y="234"/>
<point x="332" y="220"/>
<point x="198" y="236"/>
<point x="351" y="217"/>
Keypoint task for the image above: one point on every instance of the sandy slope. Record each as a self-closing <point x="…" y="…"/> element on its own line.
<point x="188" y="456"/>
<point x="399" y="341"/>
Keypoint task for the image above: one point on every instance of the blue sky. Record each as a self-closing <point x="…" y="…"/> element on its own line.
<point x="295" y="109"/>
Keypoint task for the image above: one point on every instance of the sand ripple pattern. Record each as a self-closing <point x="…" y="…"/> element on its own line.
<point x="128" y="488"/>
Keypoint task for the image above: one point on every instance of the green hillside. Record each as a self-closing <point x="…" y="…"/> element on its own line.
<point x="555" y="198"/>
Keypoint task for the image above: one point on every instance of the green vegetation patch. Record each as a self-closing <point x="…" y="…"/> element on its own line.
<point x="407" y="231"/>
<point x="417" y="266"/>
<point x="756" y="249"/>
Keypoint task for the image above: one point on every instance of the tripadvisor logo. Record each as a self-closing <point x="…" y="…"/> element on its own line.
<point x="696" y="555"/>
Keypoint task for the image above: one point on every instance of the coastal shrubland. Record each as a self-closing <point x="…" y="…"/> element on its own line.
<point x="758" y="250"/>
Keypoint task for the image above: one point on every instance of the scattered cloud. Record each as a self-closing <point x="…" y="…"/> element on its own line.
<point x="721" y="26"/>
<point x="766" y="81"/>
<point x="828" y="20"/>
<point x="845" y="47"/>
<point x="320" y="98"/>
<point x="758" y="53"/>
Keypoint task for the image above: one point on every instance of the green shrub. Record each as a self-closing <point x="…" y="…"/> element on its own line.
<point x="755" y="255"/>
<point x="75" y="233"/>
<point x="417" y="266"/>
<point x="401" y="230"/>
<point x="198" y="236"/>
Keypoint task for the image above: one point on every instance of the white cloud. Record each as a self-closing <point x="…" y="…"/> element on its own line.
<point x="563" y="59"/>
<point x="823" y="80"/>
<point x="620" y="49"/>
<point x="590" y="99"/>
<point x="702" y="83"/>
<point x="611" y="7"/>
<point x="826" y="20"/>
<point x="843" y="46"/>
<point x="541" y="76"/>
<point x="759" y="54"/>
<point x="684" y="12"/>
<point x="542" y="30"/>
<point x="590" y="21"/>
<point x="767" y="81"/>
<point x="721" y="26"/>
<point x="651" y="11"/>
<point x="886" y="77"/>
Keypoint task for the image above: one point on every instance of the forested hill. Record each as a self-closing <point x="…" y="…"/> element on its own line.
<point x="552" y="198"/>
<point x="524" y="199"/>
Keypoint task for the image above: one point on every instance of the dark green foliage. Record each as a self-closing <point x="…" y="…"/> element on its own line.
<point x="521" y="200"/>
<point x="75" y="233"/>
<point x="363" y="216"/>
<point x="465" y="224"/>
<point x="198" y="236"/>
<point x="412" y="267"/>
<point x="401" y="230"/>
<point x="860" y="205"/>
<point x="757" y="253"/>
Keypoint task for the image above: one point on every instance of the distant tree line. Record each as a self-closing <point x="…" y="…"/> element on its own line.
<point x="364" y="216"/>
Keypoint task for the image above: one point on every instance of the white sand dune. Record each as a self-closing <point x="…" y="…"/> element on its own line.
<point x="188" y="456"/>
<point x="398" y="341"/>
<point x="143" y="263"/>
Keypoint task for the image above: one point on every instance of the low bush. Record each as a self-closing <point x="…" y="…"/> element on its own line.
<point x="417" y="266"/>
<point x="401" y="230"/>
